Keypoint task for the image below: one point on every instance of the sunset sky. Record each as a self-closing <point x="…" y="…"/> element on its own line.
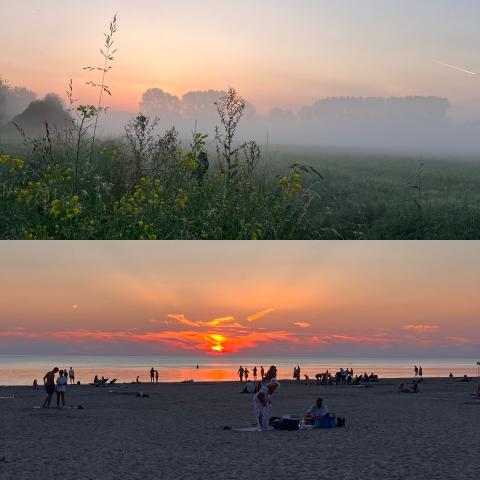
<point x="237" y="298"/>
<point x="275" y="52"/>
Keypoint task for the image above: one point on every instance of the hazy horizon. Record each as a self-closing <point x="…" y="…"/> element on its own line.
<point x="239" y="298"/>
<point x="276" y="53"/>
<point x="281" y="57"/>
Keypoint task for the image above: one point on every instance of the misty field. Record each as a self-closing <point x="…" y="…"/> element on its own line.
<point x="367" y="195"/>
<point x="156" y="187"/>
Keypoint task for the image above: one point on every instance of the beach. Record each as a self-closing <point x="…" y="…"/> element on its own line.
<point x="178" y="432"/>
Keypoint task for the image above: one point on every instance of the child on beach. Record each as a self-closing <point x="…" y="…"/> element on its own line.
<point x="62" y="382"/>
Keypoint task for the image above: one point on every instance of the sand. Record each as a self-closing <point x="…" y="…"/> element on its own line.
<point x="177" y="433"/>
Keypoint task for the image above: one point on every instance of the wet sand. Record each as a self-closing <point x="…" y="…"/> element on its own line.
<point x="177" y="433"/>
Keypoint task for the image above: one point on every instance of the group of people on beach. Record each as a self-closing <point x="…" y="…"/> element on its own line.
<point x="343" y="377"/>
<point x="153" y="375"/>
<point x="56" y="385"/>
<point x="262" y="401"/>
<point x="243" y="372"/>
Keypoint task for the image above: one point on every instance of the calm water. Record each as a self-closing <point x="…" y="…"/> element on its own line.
<point x="21" y="370"/>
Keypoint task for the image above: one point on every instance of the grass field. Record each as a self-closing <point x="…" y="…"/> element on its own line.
<point x="379" y="196"/>
<point x="362" y="195"/>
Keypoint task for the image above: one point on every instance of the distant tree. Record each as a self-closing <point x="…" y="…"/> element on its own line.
<point x="157" y="102"/>
<point x="281" y="115"/>
<point x="199" y="105"/>
<point x="394" y="109"/>
<point x="49" y="110"/>
<point x="13" y="100"/>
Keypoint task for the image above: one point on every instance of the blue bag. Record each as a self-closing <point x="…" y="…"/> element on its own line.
<point x="326" y="422"/>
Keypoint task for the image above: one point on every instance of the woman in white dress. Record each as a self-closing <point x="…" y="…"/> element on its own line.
<point x="262" y="402"/>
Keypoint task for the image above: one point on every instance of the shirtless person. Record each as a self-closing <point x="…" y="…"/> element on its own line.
<point x="49" y="382"/>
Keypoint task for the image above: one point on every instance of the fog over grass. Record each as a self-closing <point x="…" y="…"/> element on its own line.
<point x="415" y="124"/>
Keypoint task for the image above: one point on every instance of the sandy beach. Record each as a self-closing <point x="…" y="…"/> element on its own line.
<point x="177" y="432"/>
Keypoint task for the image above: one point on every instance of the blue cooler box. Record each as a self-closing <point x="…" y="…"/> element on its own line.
<point x="326" y="422"/>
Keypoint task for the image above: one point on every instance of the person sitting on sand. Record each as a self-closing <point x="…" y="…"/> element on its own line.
<point x="96" y="380"/>
<point x="402" y="388"/>
<point x="49" y="382"/>
<point x="315" y="412"/>
<point x="249" y="387"/>
<point x="61" y="387"/>
<point x="262" y="402"/>
<point x="465" y="379"/>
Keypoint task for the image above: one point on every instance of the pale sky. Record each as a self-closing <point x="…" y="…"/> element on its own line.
<point x="240" y="297"/>
<point x="275" y="52"/>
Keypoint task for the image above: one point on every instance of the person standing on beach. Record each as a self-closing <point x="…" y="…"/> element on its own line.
<point x="416" y="371"/>
<point x="298" y="373"/>
<point x="240" y="373"/>
<point x="49" y="382"/>
<point x="271" y="374"/>
<point x="263" y="401"/>
<point x="71" y="374"/>
<point x="245" y="373"/>
<point x="152" y="375"/>
<point x="62" y="382"/>
<point x="420" y="371"/>
<point x="262" y="372"/>
<point x="254" y="373"/>
<point x="156" y="376"/>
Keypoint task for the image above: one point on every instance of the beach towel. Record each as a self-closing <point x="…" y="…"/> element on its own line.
<point x="257" y="429"/>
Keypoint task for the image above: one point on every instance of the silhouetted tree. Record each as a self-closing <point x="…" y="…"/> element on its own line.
<point x="13" y="100"/>
<point x="157" y="102"/>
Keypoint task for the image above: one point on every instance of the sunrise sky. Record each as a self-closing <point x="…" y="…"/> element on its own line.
<point x="236" y="298"/>
<point x="275" y="52"/>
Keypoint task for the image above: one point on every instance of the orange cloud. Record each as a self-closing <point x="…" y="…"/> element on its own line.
<point x="261" y="314"/>
<point x="215" y="343"/>
<point x="225" y="322"/>
<point x="419" y="328"/>
<point x="303" y="324"/>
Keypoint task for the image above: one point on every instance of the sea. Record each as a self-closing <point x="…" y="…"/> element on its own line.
<point x="23" y="369"/>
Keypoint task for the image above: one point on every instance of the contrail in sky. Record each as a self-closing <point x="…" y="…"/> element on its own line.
<point x="453" y="67"/>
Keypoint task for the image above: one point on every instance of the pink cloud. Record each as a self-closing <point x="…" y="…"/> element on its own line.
<point x="420" y="328"/>
<point x="303" y="324"/>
